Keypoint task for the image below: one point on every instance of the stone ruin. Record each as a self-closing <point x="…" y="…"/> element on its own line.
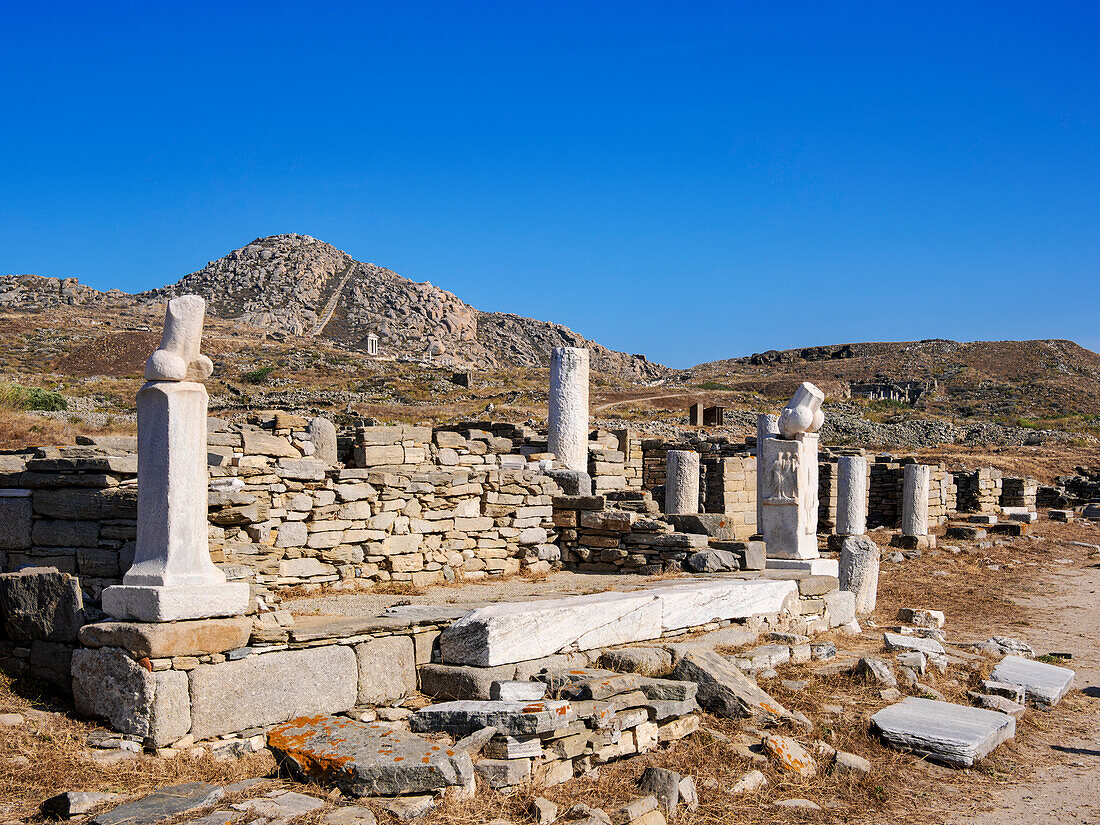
<point x="157" y="603"/>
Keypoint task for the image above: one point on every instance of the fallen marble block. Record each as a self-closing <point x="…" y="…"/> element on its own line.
<point x="509" y="718"/>
<point x="1044" y="685"/>
<point x="518" y="631"/>
<point x="725" y="690"/>
<point x="367" y="759"/>
<point x="952" y="734"/>
<point x="926" y="646"/>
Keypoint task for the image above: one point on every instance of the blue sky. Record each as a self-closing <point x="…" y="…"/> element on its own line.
<point x="692" y="181"/>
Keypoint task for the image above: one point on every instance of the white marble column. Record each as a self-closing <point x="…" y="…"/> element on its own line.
<point x="568" y="414"/>
<point x="851" y="495"/>
<point x="172" y="576"/>
<point x="914" y="500"/>
<point x="767" y="426"/>
<point x="681" y="482"/>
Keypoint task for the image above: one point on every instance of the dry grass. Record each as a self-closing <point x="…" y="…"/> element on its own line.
<point x="20" y="430"/>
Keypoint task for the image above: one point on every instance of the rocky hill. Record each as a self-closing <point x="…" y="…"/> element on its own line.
<point x="1004" y="381"/>
<point x="297" y="285"/>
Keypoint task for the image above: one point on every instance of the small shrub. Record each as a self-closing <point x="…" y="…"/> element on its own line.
<point x="258" y="375"/>
<point x="17" y="397"/>
<point x="713" y="386"/>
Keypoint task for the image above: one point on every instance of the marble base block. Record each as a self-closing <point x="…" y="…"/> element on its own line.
<point x="150" y="603"/>
<point x="815" y="567"/>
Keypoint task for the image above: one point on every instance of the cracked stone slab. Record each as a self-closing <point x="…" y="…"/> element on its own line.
<point x="509" y="718"/>
<point x="369" y="759"/>
<point x="955" y="735"/>
<point x="519" y="631"/>
<point x="1044" y="685"/>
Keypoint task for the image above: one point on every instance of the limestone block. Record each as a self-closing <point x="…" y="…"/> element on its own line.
<point x="171" y="713"/>
<point x="842" y="607"/>
<point x="163" y="640"/>
<point x="292" y="534"/>
<point x="41" y="603"/>
<point x="387" y="669"/>
<point x="272" y="688"/>
<point x="859" y="565"/>
<point x="109" y="684"/>
<point x="725" y="690"/>
<point x="509" y="718"/>
<point x="322" y="433"/>
<point x="16" y="515"/>
<point x="301" y="469"/>
<point x="58" y="533"/>
<point x="567" y="419"/>
<point x="257" y="442"/>
<point x="1044" y="685"/>
<point x="462" y="682"/>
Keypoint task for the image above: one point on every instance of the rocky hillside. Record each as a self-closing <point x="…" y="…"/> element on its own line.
<point x="296" y="285"/>
<point x="1004" y="381"/>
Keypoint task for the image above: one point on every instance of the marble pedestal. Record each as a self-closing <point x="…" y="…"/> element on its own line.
<point x="790" y="497"/>
<point x="172" y="576"/>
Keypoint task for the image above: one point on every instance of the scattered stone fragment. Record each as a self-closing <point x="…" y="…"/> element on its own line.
<point x="11" y="720"/>
<point x="477" y="740"/>
<point x="1014" y="692"/>
<point x="952" y="734"/>
<point x="1044" y="685"/>
<point x="876" y="670"/>
<point x="849" y="764"/>
<point x="512" y="718"/>
<point x="890" y="694"/>
<point x="407" y="808"/>
<point x="999" y="703"/>
<point x="349" y="815"/>
<point x="822" y="651"/>
<point x="665" y="786"/>
<point x="162" y="804"/>
<point x="797" y="803"/>
<point x="280" y="805"/>
<point x="75" y="803"/>
<point x="749" y="783"/>
<point x="1003" y="646"/>
<point x="689" y="794"/>
<point x="543" y="811"/>
<point x="725" y="690"/>
<point x="363" y="759"/>
<point x="895" y="641"/>
<point x="922" y="618"/>
<point x="791" y="756"/>
<point x="633" y="810"/>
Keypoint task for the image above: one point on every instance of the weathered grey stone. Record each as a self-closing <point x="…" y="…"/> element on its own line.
<point x="1044" y="685"/>
<point x="725" y="690"/>
<point x="952" y="734"/>
<point x="349" y="815"/>
<point x="998" y="703"/>
<point x="280" y="807"/>
<point x="110" y="685"/>
<point x="572" y="482"/>
<point x="511" y="718"/>
<point x="842" y="607"/>
<point x="368" y="759"/>
<point x="323" y="434"/>
<point x="664" y="785"/>
<point x="791" y="756"/>
<point x="41" y="603"/>
<point x="859" y="564"/>
<point x="292" y="534"/>
<point x="850" y="765"/>
<point x="272" y="688"/>
<point x="895" y="641"/>
<point x="461" y="681"/>
<point x="712" y="561"/>
<point x="301" y="469"/>
<point x="58" y="533"/>
<point x="511" y="691"/>
<point x="161" y="805"/>
<point x="877" y="670"/>
<point x="197" y="637"/>
<point x="387" y="669"/>
<point x="648" y="661"/>
<point x="502" y="773"/>
<point x="171" y="714"/>
<point x="16" y="516"/>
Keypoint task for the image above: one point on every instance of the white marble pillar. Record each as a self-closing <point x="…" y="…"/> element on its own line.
<point x="851" y="495"/>
<point x="767" y="426"/>
<point x="568" y="414"/>
<point x="681" y="482"/>
<point x="791" y="497"/>
<point x="914" y="500"/>
<point x="172" y="576"/>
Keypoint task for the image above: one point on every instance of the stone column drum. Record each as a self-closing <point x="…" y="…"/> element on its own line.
<point x="681" y="482"/>
<point x="914" y="500"/>
<point x="851" y="496"/>
<point x="172" y="576"/>
<point x="568" y="414"/>
<point x="767" y="426"/>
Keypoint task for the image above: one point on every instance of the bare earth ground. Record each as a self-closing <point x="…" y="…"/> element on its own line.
<point x="1040" y="589"/>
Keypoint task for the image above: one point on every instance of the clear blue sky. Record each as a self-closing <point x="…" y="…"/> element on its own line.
<point x="689" y="180"/>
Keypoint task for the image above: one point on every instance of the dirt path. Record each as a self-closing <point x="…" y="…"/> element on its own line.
<point x="1066" y="619"/>
<point x="633" y="400"/>
<point x="330" y="308"/>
